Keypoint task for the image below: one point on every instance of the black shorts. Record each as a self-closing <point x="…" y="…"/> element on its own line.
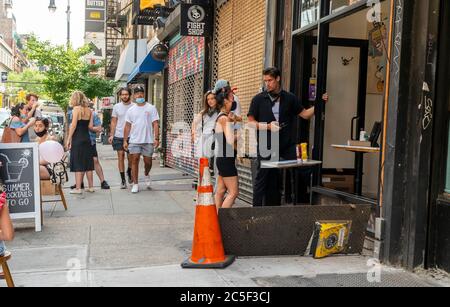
<point x="117" y="144"/>
<point x="94" y="151"/>
<point x="227" y="167"/>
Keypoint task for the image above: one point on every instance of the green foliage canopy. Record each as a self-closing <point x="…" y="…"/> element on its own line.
<point x="67" y="71"/>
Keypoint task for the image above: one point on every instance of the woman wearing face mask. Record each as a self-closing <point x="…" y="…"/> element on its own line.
<point x="227" y="181"/>
<point x="41" y="129"/>
<point x="19" y="117"/>
<point x="203" y="126"/>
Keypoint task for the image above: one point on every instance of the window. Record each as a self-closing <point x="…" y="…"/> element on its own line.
<point x="337" y="5"/>
<point x="279" y="39"/>
<point x="306" y="12"/>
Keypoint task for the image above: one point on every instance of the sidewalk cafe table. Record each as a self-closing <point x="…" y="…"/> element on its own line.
<point x="360" y="152"/>
<point x="284" y="166"/>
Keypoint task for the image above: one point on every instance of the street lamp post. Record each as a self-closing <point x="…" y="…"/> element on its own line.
<point x="52" y="9"/>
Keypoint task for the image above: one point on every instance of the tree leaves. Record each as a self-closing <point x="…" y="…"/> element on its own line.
<point x="31" y="81"/>
<point x="67" y="71"/>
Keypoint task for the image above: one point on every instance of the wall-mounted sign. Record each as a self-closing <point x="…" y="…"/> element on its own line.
<point x="195" y="20"/>
<point x="4" y="77"/>
<point x="95" y="4"/>
<point x="97" y="42"/>
<point x="160" y="52"/>
<point x="151" y="4"/>
<point x="95" y="15"/>
<point x="95" y="18"/>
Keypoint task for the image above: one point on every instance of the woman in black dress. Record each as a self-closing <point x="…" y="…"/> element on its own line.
<point x="227" y="181"/>
<point x="79" y="142"/>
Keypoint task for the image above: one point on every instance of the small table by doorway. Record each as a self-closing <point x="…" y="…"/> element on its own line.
<point x="293" y="164"/>
<point x="360" y="152"/>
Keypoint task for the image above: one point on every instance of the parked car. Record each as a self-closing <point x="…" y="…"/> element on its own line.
<point x="57" y="121"/>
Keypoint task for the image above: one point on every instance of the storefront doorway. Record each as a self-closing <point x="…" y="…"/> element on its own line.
<point x="342" y="50"/>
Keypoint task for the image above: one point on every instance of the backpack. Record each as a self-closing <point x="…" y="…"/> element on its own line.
<point x="60" y="174"/>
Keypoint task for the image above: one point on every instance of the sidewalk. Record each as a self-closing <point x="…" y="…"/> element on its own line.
<point x="114" y="238"/>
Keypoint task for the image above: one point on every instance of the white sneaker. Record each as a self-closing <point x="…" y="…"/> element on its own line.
<point x="76" y="192"/>
<point x="148" y="182"/>
<point x="135" y="189"/>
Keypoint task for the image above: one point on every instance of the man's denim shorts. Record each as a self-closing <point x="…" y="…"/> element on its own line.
<point x="146" y="150"/>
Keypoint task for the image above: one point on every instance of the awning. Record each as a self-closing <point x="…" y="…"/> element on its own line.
<point x="147" y="67"/>
<point x="127" y="63"/>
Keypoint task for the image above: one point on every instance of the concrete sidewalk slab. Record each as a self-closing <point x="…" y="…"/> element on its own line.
<point x="48" y="259"/>
<point x="60" y="279"/>
<point x="163" y="276"/>
<point x="52" y="235"/>
<point x="112" y="256"/>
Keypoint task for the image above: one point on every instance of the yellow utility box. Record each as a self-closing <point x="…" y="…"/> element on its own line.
<point x="330" y="238"/>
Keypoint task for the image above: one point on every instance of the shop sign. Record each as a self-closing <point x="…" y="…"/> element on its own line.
<point x="195" y="20"/>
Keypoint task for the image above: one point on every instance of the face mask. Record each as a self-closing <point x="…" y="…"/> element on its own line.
<point x="23" y="116"/>
<point x="41" y="134"/>
<point x="140" y="100"/>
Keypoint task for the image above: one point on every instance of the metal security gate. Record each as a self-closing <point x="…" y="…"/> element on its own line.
<point x="239" y="43"/>
<point x="184" y="99"/>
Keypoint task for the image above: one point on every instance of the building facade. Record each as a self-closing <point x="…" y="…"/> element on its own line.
<point x="385" y="67"/>
<point x="6" y="66"/>
<point x="6" y="57"/>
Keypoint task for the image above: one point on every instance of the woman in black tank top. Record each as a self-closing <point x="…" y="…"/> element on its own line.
<point x="79" y="142"/>
<point x="227" y="181"/>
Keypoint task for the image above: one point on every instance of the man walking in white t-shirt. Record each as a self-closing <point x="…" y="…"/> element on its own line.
<point x="141" y="136"/>
<point x="117" y="132"/>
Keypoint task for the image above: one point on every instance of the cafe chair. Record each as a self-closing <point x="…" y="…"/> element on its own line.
<point x="4" y="264"/>
<point x="48" y="188"/>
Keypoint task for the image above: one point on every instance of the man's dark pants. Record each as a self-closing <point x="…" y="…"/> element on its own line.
<point x="267" y="183"/>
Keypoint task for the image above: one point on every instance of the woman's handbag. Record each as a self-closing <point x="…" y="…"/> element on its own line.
<point x="10" y="135"/>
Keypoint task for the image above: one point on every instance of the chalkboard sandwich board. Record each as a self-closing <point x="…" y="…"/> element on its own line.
<point x="19" y="174"/>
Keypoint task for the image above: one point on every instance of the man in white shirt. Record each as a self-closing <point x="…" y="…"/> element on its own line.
<point x="117" y="133"/>
<point x="141" y="136"/>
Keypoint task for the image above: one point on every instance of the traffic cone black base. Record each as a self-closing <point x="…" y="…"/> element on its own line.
<point x="188" y="264"/>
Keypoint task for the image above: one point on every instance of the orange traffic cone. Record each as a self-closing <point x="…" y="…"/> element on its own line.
<point x="207" y="249"/>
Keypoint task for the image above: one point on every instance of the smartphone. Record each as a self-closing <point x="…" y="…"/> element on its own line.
<point x="284" y="125"/>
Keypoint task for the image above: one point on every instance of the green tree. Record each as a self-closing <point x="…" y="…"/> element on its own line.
<point x="31" y="81"/>
<point x="94" y="86"/>
<point x="67" y="71"/>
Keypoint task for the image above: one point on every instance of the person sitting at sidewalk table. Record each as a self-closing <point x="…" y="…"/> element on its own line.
<point x="41" y="129"/>
<point x="6" y="227"/>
